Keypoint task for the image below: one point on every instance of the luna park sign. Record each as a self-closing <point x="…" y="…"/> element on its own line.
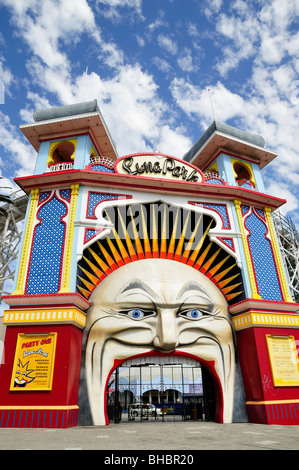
<point x="158" y="166"/>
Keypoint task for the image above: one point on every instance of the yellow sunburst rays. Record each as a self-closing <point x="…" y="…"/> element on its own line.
<point x="223" y="285"/>
<point x="157" y="246"/>
<point x="179" y="249"/>
<point x="138" y="244"/>
<point x="173" y="237"/>
<point x="154" y="234"/>
<point x="204" y="263"/>
<point x="215" y="275"/>
<point x="122" y="254"/>
<point x="95" y="275"/>
<point x="186" y="253"/>
<point x="191" y="260"/>
<point x="163" y="246"/>
<point x="129" y="243"/>
<point x="146" y="239"/>
<point x="101" y="269"/>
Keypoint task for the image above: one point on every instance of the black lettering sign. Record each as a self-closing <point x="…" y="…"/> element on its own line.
<point x="170" y="166"/>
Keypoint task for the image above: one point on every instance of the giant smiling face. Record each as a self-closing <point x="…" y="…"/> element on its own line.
<point x="158" y="306"/>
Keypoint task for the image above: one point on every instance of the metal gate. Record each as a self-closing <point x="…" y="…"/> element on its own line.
<point x="160" y="392"/>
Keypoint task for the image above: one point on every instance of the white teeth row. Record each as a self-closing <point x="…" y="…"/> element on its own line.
<point x="160" y="360"/>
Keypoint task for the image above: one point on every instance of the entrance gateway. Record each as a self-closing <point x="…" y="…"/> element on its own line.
<point x="161" y="390"/>
<point x="145" y="277"/>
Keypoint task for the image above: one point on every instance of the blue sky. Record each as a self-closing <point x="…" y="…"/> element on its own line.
<point x="150" y="65"/>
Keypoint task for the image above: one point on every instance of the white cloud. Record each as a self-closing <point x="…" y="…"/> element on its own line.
<point x="174" y="141"/>
<point x="5" y="81"/>
<point x="158" y="23"/>
<point x="112" y="9"/>
<point x="6" y="75"/>
<point x="284" y="77"/>
<point x="37" y="101"/>
<point x="167" y="44"/>
<point x="44" y="24"/>
<point x="128" y="98"/>
<point x="52" y="80"/>
<point x="272" y="49"/>
<point x="212" y="8"/>
<point x="132" y="108"/>
<point x="162" y="64"/>
<point x="185" y="61"/>
<point x="111" y="54"/>
<point x="196" y="101"/>
<point x="292" y="45"/>
<point x="245" y="32"/>
<point x="22" y="155"/>
<point x="283" y="191"/>
<point x="279" y="15"/>
<point x="192" y="30"/>
<point x="240" y="35"/>
<point x="140" y="40"/>
<point x="137" y="117"/>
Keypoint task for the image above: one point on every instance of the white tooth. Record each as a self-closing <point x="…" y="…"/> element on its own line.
<point x="160" y="360"/>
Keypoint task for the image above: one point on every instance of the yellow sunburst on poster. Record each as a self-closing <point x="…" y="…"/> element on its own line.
<point x="33" y="362"/>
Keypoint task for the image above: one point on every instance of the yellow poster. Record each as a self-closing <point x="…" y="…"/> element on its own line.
<point x="34" y="362"/>
<point x="284" y="360"/>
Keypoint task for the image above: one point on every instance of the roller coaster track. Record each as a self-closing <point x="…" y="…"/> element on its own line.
<point x="11" y="228"/>
<point x="288" y="238"/>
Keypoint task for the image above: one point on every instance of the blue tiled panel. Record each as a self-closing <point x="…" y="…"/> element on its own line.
<point x="95" y="199"/>
<point x="222" y="210"/>
<point x="90" y="233"/>
<point x="228" y="241"/>
<point x="102" y="168"/>
<point x="43" y="196"/>
<point x="47" y="249"/>
<point x="66" y="194"/>
<point x="263" y="259"/>
<point x="214" y="181"/>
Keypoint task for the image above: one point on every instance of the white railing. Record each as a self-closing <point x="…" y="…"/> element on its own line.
<point x="212" y="174"/>
<point x="61" y="167"/>
<point x="108" y="162"/>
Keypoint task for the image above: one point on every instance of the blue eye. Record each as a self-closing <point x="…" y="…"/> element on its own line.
<point x="193" y="314"/>
<point x="136" y="314"/>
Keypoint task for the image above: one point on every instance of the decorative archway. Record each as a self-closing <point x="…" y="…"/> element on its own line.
<point x="158" y="286"/>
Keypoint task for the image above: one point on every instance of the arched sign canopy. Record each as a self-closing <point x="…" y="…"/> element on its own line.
<point x="156" y="165"/>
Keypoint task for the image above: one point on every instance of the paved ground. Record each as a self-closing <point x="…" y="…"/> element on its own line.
<point x="148" y="436"/>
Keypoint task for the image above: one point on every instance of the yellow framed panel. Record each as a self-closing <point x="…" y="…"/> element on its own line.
<point x="283" y="360"/>
<point x="34" y="362"/>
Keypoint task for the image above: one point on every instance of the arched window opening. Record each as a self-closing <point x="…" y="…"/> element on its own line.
<point x="63" y="153"/>
<point x="243" y="174"/>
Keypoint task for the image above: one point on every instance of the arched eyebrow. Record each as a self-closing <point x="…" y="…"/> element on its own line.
<point x="136" y="284"/>
<point x="193" y="286"/>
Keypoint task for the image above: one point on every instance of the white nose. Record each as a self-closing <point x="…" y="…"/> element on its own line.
<point x="166" y="338"/>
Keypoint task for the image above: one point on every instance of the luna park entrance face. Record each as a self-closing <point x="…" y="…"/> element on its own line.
<point x="160" y="390"/>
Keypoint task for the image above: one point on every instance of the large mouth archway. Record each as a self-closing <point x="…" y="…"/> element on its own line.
<point x="159" y="295"/>
<point x="158" y="307"/>
<point x="162" y="389"/>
